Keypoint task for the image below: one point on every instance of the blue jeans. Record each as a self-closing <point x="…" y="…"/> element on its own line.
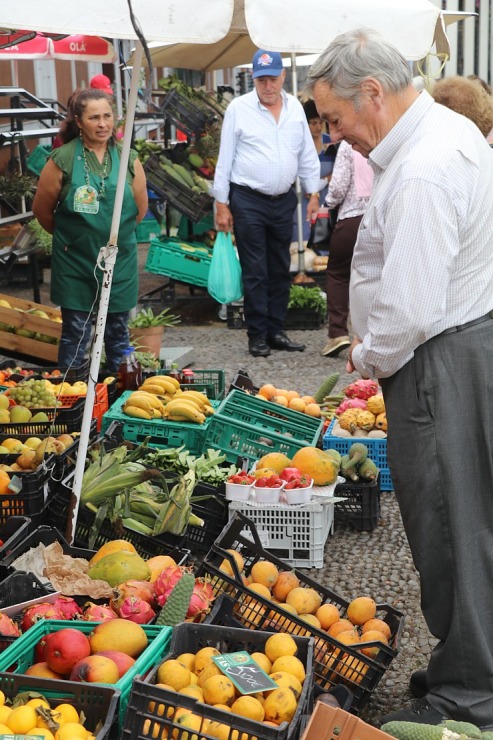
<point x="76" y="332"/>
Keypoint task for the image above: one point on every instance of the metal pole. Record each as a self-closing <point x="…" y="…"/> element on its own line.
<point x="109" y="254"/>
<point x="299" y="192"/>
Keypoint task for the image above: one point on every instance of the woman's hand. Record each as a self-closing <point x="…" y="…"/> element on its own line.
<point x="47" y="195"/>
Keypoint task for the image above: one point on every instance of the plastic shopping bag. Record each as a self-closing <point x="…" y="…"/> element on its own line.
<point x="224" y="282"/>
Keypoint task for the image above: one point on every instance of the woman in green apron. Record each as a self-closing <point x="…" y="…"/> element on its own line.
<point x="74" y="202"/>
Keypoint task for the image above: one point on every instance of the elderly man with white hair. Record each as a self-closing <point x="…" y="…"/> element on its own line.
<point x="421" y="300"/>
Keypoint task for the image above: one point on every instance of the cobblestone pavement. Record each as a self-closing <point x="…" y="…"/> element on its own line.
<point x="374" y="563"/>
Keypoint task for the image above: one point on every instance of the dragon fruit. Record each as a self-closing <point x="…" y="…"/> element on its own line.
<point x="136" y="610"/>
<point x="98" y="612"/>
<point x="68" y="607"/>
<point x="8" y="628"/>
<point x="351" y="403"/>
<point x="140" y="589"/>
<point x="362" y="388"/>
<point x="39" y="611"/>
<point x="201" y="600"/>
<point x="167" y="579"/>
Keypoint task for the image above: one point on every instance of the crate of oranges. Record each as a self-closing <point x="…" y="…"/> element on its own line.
<point x="355" y="641"/>
<point x="216" y="678"/>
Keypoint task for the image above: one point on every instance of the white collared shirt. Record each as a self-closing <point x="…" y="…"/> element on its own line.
<point x="262" y="153"/>
<point x="423" y="261"/>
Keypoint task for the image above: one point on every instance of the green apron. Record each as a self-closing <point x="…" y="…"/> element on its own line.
<point x="79" y="235"/>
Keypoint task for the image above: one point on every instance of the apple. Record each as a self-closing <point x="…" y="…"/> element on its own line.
<point x="65" y="649"/>
<point x="289" y="473"/>
<point x="95" y="669"/>
<point x="122" y="660"/>
<point x="39" y="650"/>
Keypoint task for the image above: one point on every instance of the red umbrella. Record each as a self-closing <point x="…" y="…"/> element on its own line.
<point x="9" y="38"/>
<point x="70" y="48"/>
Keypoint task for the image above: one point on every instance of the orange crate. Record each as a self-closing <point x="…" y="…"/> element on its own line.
<point x="100" y="402"/>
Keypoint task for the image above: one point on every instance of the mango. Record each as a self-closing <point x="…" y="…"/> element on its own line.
<point x="120" y="567"/>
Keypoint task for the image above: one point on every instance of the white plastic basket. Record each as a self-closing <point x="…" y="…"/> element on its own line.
<point x="296" y="534"/>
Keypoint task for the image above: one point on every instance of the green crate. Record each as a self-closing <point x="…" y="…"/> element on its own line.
<point x="247" y="426"/>
<point x="98" y="703"/>
<point x="184" y="261"/>
<point x="20" y="655"/>
<point x="148" y="229"/>
<point x="37" y="159"/>
<point x="162" y="433"/>
<point x="217" y="378"/>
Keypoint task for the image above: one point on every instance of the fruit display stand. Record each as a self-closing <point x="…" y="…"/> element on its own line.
<point x="359" y="505"/>
<point x="208" y="381"/>
<point x="189" y="638"/>
<point x="97" y="702"/>
<point x="62" y="420"/>
<point x="331" y="723"/>
<point x="377" y="451"/>
<point x="334" y="663"/>
<point x="249" y="427"/>
<point x="161" y="433"/>
<point x="50" y="372"/>
<point x="296" y="534"/>
<point x="20" y="655"/>
<point x="183" y="261"/>
<point x="21" y="318"/>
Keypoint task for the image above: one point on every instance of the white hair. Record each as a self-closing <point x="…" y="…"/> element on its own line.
<point x="355" y="56"/>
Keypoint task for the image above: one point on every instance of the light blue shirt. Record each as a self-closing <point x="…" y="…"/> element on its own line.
<point x="262" y="153"/>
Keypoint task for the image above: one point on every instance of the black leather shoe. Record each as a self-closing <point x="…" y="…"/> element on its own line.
<point x="258" y="347"/>
<point x="418" y="684"/>
<point x="283" y="342"/>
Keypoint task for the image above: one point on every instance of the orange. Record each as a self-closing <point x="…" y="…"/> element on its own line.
<point x="226" y="565"/>
<point x="297" y="404"/>
<point x="281" y="400"/>
<point x="311" y="619"/>
<point x="372" y="636"/>
<point x="361" y="609"/>
<point x="280" y="706"/>
<point x="42" y="732"/>
<point x="263" y="661"/>
<point x="71" y="731"/>
<point x="267" y="390"/>
<point x="341" y="626"/>
<point x="348" y="637"/>
<point x="203" y="658"/>
<point x="66" y="713"/>
<point x="290" y="664"/>
<point x="313" y="409"/>
<point x="287" y="681"/>
<point x="22" y="719"/>
<point x="187" y="659"/>
<point x="248" y="706"/>
<point x="327" y="614"/>
<point x="280" y="645"/>
<point x="377" y="624"/>
<point x="265" y="573"/>
<point x="292" y="394"/>
<point x="286" y="581"/>
<point x="174" y="673"/>
<point x="219" y="690"/>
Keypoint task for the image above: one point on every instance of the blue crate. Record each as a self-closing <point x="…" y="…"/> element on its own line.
<point x="377" y="450"/>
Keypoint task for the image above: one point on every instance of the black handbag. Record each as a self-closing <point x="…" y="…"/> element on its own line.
<point x="321" y="231"/>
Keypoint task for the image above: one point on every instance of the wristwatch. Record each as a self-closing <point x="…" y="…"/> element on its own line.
<point x="312" y="194"/>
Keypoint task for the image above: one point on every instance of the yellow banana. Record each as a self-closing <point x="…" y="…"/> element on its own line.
<point x="166" y="387"/>
<point x="157" y="413"/>
<point x="138" y="402"/>
<point x="177" y="417"/>
<point x="208" y="410"/>
<point x="168" y="379"/>
<point x="137" y="412"/>
<point x="170" y="406"/>
<point x="152" y="399"/>
<point x="157" y="390"/>
<point x="191" y="413"/>
<point x="171" y="384"/>
<point x="192" y="401"/>
<point x="197" y="394"/>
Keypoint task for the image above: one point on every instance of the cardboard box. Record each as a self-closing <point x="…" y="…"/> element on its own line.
<point x="329" y="723"/>
<point x="50" y="328"/>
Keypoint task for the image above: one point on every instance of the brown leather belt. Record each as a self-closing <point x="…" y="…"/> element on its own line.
<point x="257" y="192"/>
<point x="468" y="324"/>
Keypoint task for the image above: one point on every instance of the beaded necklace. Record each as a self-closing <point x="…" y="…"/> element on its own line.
<point x="103" y="173"/>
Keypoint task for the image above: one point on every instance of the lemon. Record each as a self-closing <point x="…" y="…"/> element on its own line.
<point x="22" y="719"/>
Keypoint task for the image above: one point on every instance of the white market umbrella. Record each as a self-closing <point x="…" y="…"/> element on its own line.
<point x="287" y="25"/>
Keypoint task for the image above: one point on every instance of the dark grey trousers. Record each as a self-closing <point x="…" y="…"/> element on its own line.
<point x="440" y="452"/>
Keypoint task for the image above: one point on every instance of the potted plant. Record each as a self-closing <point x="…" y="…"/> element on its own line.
<point x="147" y="330"/>
<point x="307" y="308"/>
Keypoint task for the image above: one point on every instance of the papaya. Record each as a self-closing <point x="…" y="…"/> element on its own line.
<point x="120" y="567"/>
<point x="315" y="463"/>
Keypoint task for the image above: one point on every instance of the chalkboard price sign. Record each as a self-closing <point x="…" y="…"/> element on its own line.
<point x="244" y="672"/>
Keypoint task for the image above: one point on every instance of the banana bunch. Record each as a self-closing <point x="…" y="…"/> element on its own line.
<point x="160" y="396"/>
<point x="188" y="406"/>
<point x="144" y="405"/>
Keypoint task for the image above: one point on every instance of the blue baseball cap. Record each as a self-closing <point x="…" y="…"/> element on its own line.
<point x="266" y="64"/>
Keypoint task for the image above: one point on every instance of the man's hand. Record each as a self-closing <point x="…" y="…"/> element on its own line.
<point x="312" y="208"/>
<point x="224" y="217"/>
<point x="349" y="364"/>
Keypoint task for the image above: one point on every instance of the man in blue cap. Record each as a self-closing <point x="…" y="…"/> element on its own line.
<point x="265" y="144"/>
